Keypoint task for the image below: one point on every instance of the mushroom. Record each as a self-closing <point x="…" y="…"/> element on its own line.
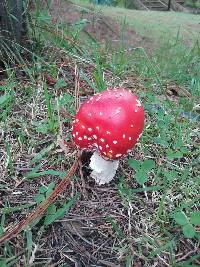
<point x="110" y="123"/>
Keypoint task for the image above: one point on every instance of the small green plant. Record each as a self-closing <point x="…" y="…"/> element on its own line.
<point x="187" y="223"/>
<point x="52" y="125"/>
<point x="142" y="169"/>
<point x="53" y="213"/>
<point x="6" y="99"/>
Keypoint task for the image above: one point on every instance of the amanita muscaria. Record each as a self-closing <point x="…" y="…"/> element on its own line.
<point x="110" y="122"/>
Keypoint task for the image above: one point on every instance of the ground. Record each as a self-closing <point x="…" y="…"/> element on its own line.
<point x="125" y="223"/>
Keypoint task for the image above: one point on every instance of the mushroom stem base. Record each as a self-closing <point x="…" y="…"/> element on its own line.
<point x="103" y="171"/>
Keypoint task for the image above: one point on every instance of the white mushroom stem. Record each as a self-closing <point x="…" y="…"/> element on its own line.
<point x="103" y="171"/>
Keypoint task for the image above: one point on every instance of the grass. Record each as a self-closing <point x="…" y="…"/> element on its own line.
<point x="150" y="213"/>
<point x="193" y="4"/>
<point x="162" y="27"/>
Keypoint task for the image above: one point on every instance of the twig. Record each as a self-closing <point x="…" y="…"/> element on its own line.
<point x="39" y="211"/>
<point x="187" y="255"/>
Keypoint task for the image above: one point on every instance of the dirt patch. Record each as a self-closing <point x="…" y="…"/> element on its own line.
<point x="102" y="28"/>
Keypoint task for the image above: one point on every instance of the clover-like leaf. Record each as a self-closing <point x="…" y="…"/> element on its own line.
<point x="148" y="164"/>
<point x="134" y="164"/>
<point x="141" y="177"/>
<point x="188" y="231"/>
<point x="180" y="218"/>
<point x="195" y="218"/>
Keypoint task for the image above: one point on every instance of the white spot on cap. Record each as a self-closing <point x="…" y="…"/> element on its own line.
<point x="124" y="136"/>
<point x="95" y="137"/>
<point x="107" y="146"/>
<point x="136" y="110"/>
<point x="91" y="98"/>
<point x="118" y="155"/>
<point x="110" y="151"/>
<point x="100" y="147"/>
<point x="73" y="121"/>
<point x="90" y="114"/>
<point x="129" y="138"/>
<point x="77" y="120"/>
<point x="100" y="113"/>
<point x="131" y="125"/>
<point x="82" y="126"/>
<point x="102" y="140"/>
<point x="80" y="138"/>
<point x="73" y="135"/>
<point x="89" y="138"/>
<point x="97" y="127"/>
<point x="90" y="129"/>
<point x="76" y="133"/>
<point x="85" y="137"/>
<point x="138" y="103"/>
<point x="88" y="102"/>
<point x="114" y="142"/>
<point x="108" y="132"/>
<point x="104" y="153"/>
<point x="118" y="110"/>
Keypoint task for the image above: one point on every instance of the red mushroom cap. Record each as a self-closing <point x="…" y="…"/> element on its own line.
<point x="112" y="121"/>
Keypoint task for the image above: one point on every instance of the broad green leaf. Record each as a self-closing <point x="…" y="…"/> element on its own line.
<point x="39" y="198"/>
<point x="3" y="263"/>
<point x="42" y="128"/>
<point x="141" y="177"/>
<point x="33" y="171"/>
<point x="39" y="156"/>
<point x="170" y="154"/>
<point x="195" y="218"/>
<point x="65" y="99"/>
<point x="60" y="212"/>
<point x="50" y="189"/>
<point x="180" y="218"/>
<point x="184" y="150"/>
<point x="171" y="175"/>
<point x="147" y="165"/>
<point x="188" y="231"/>
<point x="134" y="164"/>
<point x="47" y="172"/>
<point x="43" y="189"/>
<point x="29" y="241"/>
<point x="160" y="141"/>
<point x="51" y="209"/>
<point x="4" y="99"/>
<point x="178" y="154"/>
<point x="60" y="83"/>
